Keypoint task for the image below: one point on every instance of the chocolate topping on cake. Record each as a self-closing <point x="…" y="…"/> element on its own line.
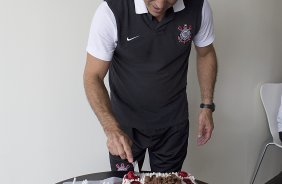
<point x="172" y="179"/>
<point x="158" y="178"/>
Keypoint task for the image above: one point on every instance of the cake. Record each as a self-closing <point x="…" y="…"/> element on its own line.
<point x="158" y="178"/>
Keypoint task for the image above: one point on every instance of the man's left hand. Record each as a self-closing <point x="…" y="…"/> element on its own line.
<point x="205" y="126"/>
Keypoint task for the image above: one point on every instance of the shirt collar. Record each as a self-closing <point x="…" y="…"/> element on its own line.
<point x="140" y="6"/>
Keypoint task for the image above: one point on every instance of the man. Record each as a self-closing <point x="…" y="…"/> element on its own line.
<point x="145" y="46"/>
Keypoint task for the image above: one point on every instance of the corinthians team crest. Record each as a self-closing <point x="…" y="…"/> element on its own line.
<point x="185" y="35"/>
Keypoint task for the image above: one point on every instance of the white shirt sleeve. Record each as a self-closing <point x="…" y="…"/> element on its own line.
<point x="279" y="117"/>
<point x="205" y="36"/>
<point x="102" y="39"/>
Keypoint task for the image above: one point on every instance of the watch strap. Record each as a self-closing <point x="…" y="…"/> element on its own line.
<point x="208" y="106"/>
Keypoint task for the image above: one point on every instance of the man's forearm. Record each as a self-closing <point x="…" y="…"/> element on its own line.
<point x="207" y="71"/>
<point x="99" y="100"/>
<point x="118" y="142"/>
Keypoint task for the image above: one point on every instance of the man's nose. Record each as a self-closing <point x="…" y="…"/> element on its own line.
<point x="160" y="3"/>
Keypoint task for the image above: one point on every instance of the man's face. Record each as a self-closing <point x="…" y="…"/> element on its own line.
<point x="157" y="8"/>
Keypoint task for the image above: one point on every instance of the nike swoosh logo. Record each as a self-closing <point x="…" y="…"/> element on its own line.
<point x="129" y="39"/>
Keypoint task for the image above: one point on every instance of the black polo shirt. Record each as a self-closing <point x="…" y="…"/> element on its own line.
<point x="148" y="71"/>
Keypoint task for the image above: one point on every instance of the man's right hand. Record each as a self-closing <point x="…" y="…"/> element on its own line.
<point x="119" y="144"/>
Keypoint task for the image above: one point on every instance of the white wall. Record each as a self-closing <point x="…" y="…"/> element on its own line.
<point x="47" y="130"/>
<point x="248" y="45"/>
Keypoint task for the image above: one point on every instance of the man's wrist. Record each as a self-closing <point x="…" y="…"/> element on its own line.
<point x="207" y="100"/>
<point x="110" y="127"/>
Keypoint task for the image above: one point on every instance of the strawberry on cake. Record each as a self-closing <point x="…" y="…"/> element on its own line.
<point x="158" y="178"/>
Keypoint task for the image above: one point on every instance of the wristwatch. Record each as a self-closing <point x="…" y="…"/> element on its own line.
<point x="208" y="106"/>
